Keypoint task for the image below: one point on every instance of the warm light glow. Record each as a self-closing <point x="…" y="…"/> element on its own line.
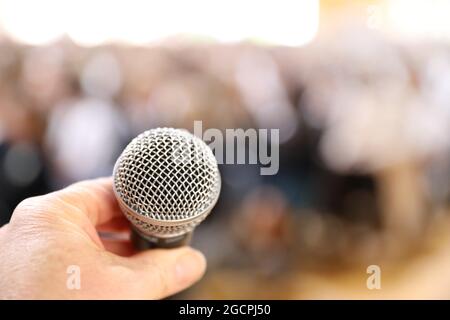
<point x="283" y="22"/>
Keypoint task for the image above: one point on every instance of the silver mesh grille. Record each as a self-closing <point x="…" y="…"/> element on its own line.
<point x="167" y="181"/>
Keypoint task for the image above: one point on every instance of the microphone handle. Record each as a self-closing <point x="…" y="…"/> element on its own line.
<point x="143" y="242"/>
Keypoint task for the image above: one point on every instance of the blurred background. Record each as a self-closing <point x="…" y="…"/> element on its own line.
<point x="360" y="91"/>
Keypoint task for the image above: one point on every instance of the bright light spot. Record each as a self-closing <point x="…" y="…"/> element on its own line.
<point x="32" y="22"/>
<point x="418" y="18"/>
<point x="283" y="22"/>
<point x="83" y="136"/>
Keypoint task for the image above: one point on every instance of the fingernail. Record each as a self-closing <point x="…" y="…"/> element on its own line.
<point x="189" y="266"/>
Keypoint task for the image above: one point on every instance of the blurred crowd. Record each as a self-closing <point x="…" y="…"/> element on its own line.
<point x="364" y="141"/>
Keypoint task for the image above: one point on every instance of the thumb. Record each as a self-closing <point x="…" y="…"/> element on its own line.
<point x="163" y="272"/>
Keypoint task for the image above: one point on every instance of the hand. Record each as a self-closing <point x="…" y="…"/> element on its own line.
<point x="53" y="238"/>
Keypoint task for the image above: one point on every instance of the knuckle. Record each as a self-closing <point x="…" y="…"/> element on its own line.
<point x="28" y="204"/>
<point x="37" y="208"/>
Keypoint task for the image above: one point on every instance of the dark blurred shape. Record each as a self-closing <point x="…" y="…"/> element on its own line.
<point x="22" y="174"/>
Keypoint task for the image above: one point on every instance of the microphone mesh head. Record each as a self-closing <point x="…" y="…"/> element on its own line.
<point x="167" y="181"/>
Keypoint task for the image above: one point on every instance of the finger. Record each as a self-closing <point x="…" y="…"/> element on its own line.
<point x="164" y="272"/>
<point x="94" y="198"/>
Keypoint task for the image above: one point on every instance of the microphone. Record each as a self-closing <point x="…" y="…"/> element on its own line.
<point x="166" y="182"/>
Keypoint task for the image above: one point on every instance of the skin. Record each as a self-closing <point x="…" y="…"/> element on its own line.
<point x="48" y="234"/>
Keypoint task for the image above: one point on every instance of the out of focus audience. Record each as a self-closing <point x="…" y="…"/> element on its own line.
<point x="364" y="156"/>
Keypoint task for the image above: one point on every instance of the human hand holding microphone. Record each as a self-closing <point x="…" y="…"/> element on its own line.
<point x="48" y="234"/>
